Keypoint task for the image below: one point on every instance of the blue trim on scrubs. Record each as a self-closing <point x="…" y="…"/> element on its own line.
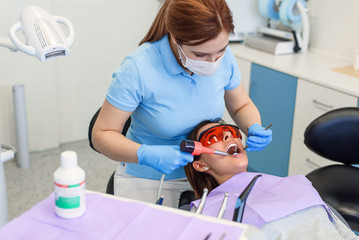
<point x="166" y="101"/>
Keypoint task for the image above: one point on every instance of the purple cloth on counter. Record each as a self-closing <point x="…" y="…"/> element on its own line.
<point x="271" y="197"/>
<point x="107" y="218"/>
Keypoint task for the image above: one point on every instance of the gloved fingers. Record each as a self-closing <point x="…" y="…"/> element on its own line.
<point x="180" y="161"/>
<point x="182" y="157"/>
<point x="258" y="130"/>
<point x="166" y="170"/>
<point x="186" y="158"/>
<point x="257" y="144"/>
<point x="165" y="167"/>
<point x="263" y="133"/>
<point x="250" y="149"/>
<point x="255" y="147"/>
<point x="163" y="158"/>
<point x="259" y="140"/>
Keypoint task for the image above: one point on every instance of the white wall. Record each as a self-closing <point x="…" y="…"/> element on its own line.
<point x="334" y="26"/>
<point x="63" y="94"/>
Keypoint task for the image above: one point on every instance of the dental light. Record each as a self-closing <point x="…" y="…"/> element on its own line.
<point x="44" y="40"/>
<point x="44" y="37"/>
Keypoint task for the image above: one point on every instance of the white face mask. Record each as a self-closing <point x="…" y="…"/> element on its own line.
<point x="201" y="68"/>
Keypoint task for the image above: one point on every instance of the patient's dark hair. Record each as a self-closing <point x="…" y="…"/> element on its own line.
<point x="200" y="180"/>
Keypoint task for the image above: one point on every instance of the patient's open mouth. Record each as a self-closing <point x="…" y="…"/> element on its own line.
<point x="233" y="149"/>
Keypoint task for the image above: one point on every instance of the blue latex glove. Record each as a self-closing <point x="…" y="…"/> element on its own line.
<point x="163" y="158"/>
<point x="258" y="138"/>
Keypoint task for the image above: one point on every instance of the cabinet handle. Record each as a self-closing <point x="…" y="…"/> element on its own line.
<point x="323" y="104"/>
<point x="312" y="163"/>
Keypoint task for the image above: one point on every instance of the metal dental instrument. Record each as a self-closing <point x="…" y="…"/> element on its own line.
<point x="196" y="148"/>
<point x="202" y="202"/>
<point x="223" y="206"/>
<point x="241" y="200"/>
<point x="264" y="129"/>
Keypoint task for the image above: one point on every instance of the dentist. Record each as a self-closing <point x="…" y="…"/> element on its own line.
<point x="182" y="73"/>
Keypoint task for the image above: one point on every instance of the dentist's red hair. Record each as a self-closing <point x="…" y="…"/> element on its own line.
<point x="191" y="22"/>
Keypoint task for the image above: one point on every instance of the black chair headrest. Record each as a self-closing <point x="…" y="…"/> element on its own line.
<point x="92" y="123"/>
<point x="335" y="135"/>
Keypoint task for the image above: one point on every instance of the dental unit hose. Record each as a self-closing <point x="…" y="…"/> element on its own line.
<point x="160" y="186"/>
<point x="241" y="200"/>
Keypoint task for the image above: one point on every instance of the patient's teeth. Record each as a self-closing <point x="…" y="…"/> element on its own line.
<point x="232" y="148"/>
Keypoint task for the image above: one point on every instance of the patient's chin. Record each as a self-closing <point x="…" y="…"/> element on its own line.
<point x="242" y="167"/>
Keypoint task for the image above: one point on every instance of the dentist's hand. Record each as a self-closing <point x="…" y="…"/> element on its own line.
<point x="163" y="158"/>
<point x="258" y="137"/>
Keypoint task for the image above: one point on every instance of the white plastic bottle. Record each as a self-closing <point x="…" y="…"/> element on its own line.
<point x="69" y="181"/>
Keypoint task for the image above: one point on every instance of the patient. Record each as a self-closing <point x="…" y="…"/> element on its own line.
<point x="284" y="208"/>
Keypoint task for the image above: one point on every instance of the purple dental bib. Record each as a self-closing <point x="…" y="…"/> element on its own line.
<point x="271" y="198"/>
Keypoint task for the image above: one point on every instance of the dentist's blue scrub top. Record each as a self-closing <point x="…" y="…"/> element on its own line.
<point x="166" y="101"/>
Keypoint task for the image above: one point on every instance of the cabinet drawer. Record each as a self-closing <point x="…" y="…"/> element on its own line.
<point x="303" y="160"/>
<point x="314" y="100"/>
<point x="317" y="99"/>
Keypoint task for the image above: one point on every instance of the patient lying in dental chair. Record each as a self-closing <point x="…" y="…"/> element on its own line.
<point x="284" y="208"/>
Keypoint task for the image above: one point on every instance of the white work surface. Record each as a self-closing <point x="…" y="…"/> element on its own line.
<point x="312" y="66"/>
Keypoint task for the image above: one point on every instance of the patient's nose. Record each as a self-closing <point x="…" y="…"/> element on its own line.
<point x="227" y="136"/>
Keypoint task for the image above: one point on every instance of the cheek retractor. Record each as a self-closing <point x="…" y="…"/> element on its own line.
<point x="196" y="148"/>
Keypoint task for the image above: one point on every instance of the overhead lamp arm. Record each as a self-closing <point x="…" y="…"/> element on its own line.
<point x="8" y="44"/>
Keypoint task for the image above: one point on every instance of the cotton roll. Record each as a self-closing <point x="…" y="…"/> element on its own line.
<point x="268" y="9"/>
<point x="288" y="12"/>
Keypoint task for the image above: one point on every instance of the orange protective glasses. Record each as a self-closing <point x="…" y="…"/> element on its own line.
<point x="215" y="134"/>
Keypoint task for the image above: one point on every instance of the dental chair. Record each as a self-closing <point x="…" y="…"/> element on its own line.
<point x="110" y="187"/>
<point x="335" y="136"/>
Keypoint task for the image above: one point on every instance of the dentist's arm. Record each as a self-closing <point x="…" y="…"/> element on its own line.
<point x="247" y="117"/>
<point x="107" y="139"/>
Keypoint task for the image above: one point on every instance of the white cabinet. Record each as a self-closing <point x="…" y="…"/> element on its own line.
<point x="312" y="101"/>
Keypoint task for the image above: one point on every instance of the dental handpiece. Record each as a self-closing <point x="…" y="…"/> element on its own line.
<point x="223" y="206"/>
<point x="196" y="148"/>
<point x="202" y="202"/>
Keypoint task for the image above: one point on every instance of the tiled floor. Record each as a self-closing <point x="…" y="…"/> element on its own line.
<point x="25" y="188"/>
